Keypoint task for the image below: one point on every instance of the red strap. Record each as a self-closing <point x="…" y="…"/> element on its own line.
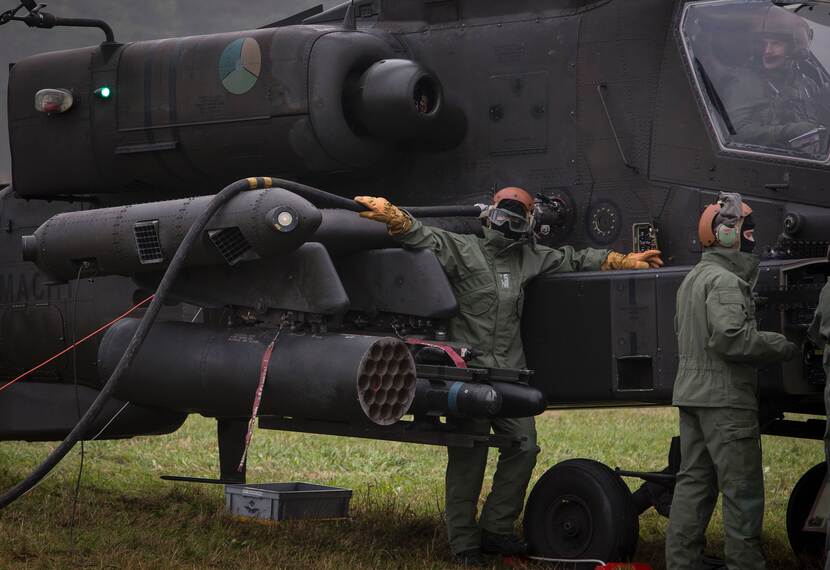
<point x="447" y="349"/>
<point x="74" y="344"/>
<point x="263" y="373"/>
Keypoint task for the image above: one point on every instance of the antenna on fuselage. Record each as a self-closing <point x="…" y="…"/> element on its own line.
<point x="350" y="19"/>
<point x="37" y="18"/>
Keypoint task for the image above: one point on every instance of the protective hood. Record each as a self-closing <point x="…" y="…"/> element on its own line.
<point x="731" y="206"/>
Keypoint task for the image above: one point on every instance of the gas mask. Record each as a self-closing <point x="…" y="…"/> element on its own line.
<point x="509" y="218"/>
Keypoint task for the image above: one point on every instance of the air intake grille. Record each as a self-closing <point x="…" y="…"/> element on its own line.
<point x="231" y="244"/>
<point x="147" y="242"/>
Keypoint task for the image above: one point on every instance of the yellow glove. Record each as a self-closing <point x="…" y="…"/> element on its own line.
<point x="381" y="210"/>
<point x="646" y="260"/>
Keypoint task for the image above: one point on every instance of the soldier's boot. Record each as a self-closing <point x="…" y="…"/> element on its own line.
<point x="472" y="558"/>
<point x="712" y="563"/>
<point x="507" y="544"/>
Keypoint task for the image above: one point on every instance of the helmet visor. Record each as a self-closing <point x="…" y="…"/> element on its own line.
<point x="516" y="222"/>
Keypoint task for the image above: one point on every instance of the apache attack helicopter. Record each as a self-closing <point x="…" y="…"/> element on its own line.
<point x="622" y="116"/>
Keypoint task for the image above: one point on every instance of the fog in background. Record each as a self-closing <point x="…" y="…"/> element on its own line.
<point x="131" y="20"/>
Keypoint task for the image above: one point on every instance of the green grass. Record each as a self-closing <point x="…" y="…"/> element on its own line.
<point x="129" y="518"/>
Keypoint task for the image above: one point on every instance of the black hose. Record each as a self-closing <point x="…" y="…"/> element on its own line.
<point x="323" y="199"/>
<point x="443" y="211"/>
<point x="170" y="275"/>
<point x="319" y="198"/>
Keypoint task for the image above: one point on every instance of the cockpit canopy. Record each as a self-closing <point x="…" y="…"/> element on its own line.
<point x="761" y="70"/>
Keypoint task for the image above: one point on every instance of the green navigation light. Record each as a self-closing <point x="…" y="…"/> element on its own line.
<point x="103" y="92"/>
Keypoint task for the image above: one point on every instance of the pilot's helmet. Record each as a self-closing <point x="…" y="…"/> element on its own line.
<point x="775" y="24"/>
<point x="515" y="194"/>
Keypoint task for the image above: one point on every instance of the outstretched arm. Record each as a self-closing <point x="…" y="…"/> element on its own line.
<point x="565" y="259"/>
<point x="382" y="210"/>
<point x="645" y="260"/>
<point x="409" y="232"/>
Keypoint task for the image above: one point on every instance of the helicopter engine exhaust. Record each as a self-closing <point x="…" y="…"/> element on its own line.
<point x="395" y="100"/>
<point x="214" y="371"/>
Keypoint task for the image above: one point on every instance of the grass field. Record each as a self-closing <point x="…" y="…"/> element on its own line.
<point x="129" y="518"/>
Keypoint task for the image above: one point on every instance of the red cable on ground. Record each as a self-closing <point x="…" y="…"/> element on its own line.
<point x="73" y="345"/>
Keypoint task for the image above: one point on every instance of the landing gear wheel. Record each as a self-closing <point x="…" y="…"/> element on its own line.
<point x="581" y="509"/>
<point x="809" y="546"/>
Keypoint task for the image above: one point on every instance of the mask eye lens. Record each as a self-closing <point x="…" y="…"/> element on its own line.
<point x="516" y="222"/>
<point x="499" y="216"/>
<point x="518" y="225"/>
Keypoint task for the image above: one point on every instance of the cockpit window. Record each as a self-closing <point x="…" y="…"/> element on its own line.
<point x="761" y="70"/>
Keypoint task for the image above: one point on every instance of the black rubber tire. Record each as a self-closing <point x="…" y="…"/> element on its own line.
<point x="809" y="546"/>
<point x="581" y="509"/>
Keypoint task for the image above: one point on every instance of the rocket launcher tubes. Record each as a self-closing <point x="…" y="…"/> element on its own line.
<point x="214" y="371"/>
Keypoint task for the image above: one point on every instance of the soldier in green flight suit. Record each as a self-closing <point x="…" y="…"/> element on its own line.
<point x="488" y="276"/>
<point x="716" y="389"/>
<point x="820" y="334"/>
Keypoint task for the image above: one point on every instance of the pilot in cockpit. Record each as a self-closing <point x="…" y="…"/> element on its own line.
<point x="773" y="102"/>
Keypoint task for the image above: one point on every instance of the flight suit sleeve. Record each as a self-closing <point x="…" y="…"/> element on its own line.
<point x="446" y="245"/>
<point x="733" y="331"/>
<point x="566" y="258"/>
<point x="747" y="105"/>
